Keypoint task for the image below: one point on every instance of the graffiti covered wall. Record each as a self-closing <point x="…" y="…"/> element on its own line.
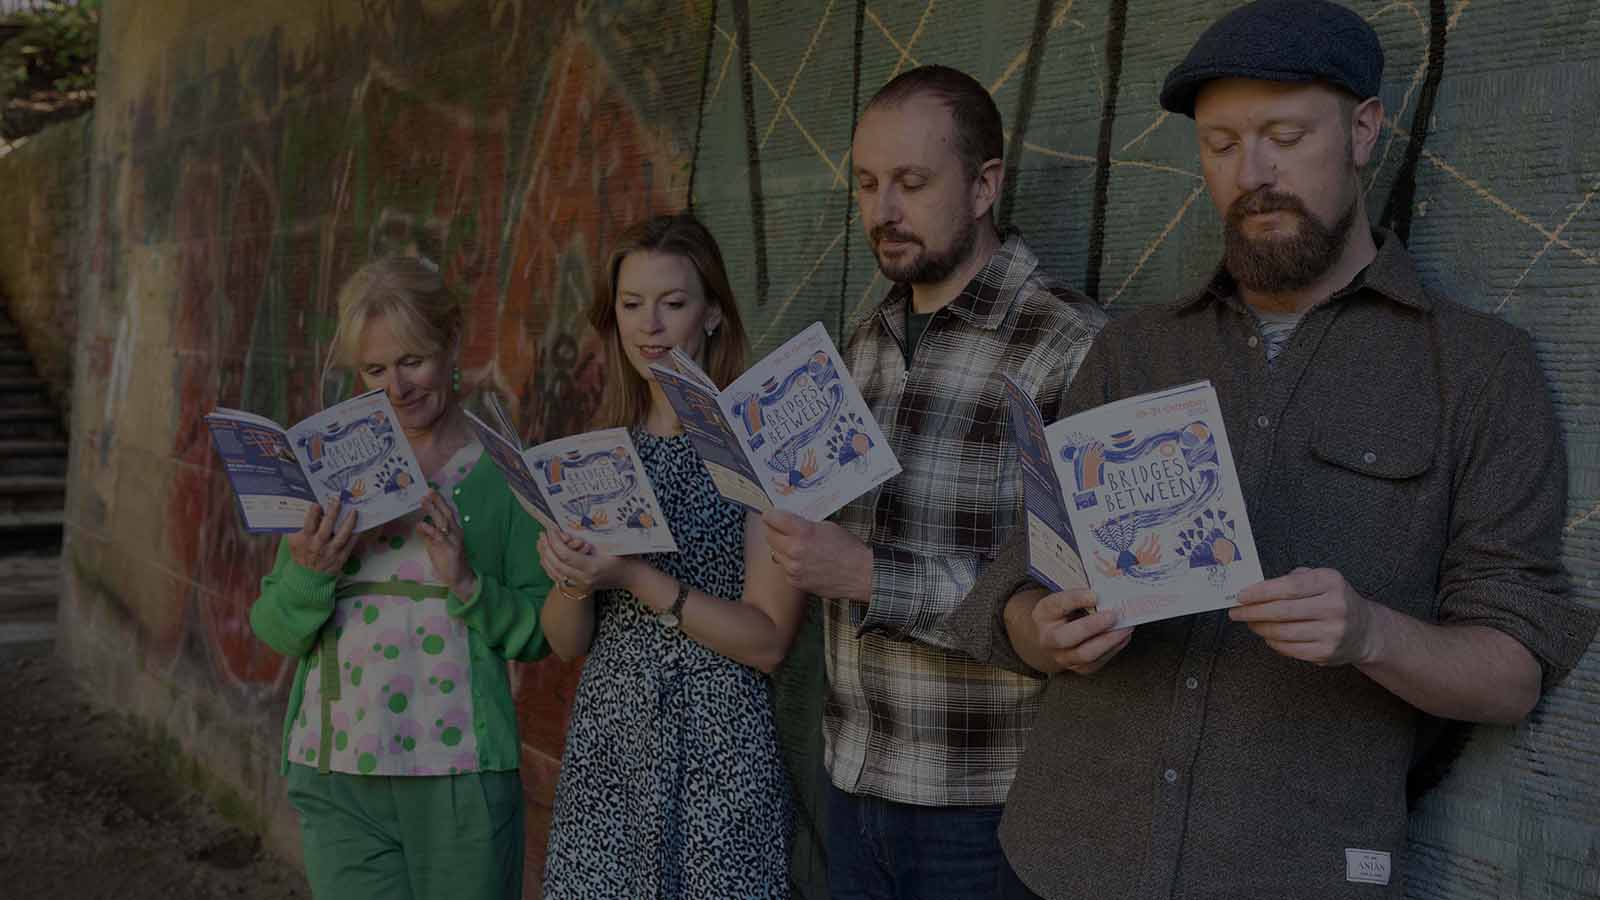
<point x="246" y="157"/>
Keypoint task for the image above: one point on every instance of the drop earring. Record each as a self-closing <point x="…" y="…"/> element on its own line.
<point x="455" y="379"/>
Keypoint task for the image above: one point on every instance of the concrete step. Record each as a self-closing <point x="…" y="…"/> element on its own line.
<point x="32" y="421"/>
<point x="32" y="457"/>
<point x="23" y="391"/>
<point x="22" y="384"/>
<point x="31" y="530"/>
<point x="18" y="447"/>
<point x="23" y="640"/>
<point x="30" y="588"/>
<point x="39" y="607"/>
<point x="28" y="578"/>
<point x="32" y="493"/>
<point x="15" y="364"/>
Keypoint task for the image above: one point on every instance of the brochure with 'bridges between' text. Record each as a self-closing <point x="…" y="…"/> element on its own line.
<point x="592" y="486"/>
<point x="791" y="433"/>
<point x="353" y="451"/>
<point x="1139" y="498"/>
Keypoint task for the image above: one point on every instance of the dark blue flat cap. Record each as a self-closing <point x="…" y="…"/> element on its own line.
<point x="1280" y="40"/>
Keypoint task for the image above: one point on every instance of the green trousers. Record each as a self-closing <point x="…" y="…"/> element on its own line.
<point x="410" y="838"/>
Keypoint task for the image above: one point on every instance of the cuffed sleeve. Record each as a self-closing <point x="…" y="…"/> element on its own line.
<point x="294" y="604"/>
<point x="1502" y="565"/>
<point x="978" y="622"/>
<point x="912" y="593"/>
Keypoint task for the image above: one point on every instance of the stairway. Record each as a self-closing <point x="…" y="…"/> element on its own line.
<point x="33" y="486"/>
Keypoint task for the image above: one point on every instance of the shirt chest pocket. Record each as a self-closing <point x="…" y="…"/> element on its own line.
<point x="1357" y="497"/>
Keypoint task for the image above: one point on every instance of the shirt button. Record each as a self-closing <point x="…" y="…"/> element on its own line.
<point x="456" y="492"/>
<point x="1191" y="683"/>
<point x="1170" y="775"/>
<point x="1254" y="341"/>
<point x="465" y="519"/>
<point x="1263" y="421"/>
<point x="1369" y="457"/>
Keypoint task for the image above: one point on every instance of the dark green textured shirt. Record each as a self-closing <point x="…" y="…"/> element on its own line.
<point x="916" y="324"/>
<point x="1402" y="439"/>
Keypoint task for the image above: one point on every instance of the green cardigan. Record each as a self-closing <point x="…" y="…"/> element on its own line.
<point x="502" y="616"/>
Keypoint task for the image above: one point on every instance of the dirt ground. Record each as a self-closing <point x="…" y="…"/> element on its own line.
<point x="88" y="811"/>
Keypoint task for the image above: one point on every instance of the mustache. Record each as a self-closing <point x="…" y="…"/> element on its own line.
<point x="1262" y="201"/>
<point x="882" y="233"/>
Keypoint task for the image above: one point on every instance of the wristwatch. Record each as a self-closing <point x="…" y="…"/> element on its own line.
<point x="673" y="617"/>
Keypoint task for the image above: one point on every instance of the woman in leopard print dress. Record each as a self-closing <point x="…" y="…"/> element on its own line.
<point x="672" y="784"/>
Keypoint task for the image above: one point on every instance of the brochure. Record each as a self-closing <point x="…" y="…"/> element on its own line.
<point x="591" y="486"/>
<point x="353" y="451"/>
<point x="1145" y="492"/>
<point x="791" y="433"/>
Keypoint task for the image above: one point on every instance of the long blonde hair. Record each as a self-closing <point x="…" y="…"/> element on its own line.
<point x="626" y="399"/>
<point x="424" y="313"/>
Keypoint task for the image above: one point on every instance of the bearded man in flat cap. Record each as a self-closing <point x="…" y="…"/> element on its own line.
<point x="1406" y="483"/>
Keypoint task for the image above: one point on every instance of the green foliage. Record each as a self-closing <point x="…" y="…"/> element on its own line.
<point x="55" y="48"/>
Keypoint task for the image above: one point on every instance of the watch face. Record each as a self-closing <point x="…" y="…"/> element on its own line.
<point x="668" y="619"/>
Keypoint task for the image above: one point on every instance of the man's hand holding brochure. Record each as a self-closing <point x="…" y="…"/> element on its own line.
<point x="1139" y="498"/>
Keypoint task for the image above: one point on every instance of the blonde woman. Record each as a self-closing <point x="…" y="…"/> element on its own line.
<point x="400" y="744"/>
<point x="671" y="785"/>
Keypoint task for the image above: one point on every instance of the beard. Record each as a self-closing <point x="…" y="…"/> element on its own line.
<point x="923" y="267"/>
<point x="1274" y="264"/>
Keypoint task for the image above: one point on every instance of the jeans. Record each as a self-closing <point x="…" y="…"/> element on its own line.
<point x="882" y="850"/>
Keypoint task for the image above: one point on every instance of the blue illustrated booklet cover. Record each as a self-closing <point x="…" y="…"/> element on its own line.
<point x="353" y="451"/>
<point x="1138" y="499"/>
<point x="591" y="486"/>
<point x="791" y="433"/>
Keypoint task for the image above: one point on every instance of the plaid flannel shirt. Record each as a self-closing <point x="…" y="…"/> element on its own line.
<point x="908" y="717"/>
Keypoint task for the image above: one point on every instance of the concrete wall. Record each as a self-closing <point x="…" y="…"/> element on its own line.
<point x="247" y="156"/>
<point x="44" y="217"/>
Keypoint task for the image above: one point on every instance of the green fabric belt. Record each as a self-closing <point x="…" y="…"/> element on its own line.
<point x="392" y="588"/>
<point x="328" y="652"/>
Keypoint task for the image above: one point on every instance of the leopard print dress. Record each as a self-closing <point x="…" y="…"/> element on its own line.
<point x="672" y="784"/>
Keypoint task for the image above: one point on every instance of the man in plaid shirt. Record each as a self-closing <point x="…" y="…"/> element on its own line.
<point x="922" y="742"/>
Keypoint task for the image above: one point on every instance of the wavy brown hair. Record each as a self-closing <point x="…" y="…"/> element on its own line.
<point x="626" y="399"/>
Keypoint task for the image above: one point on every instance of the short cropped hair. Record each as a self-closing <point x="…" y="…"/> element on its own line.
<point x="980" y="135"/>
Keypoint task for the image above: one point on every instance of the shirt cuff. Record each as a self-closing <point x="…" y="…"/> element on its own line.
<point x="1555" y="629"/>
<point x="300" y="581"/>
<point x="458" y="606"/>
<point x="890" y="611"/>
<point x="1002" y="653"/>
